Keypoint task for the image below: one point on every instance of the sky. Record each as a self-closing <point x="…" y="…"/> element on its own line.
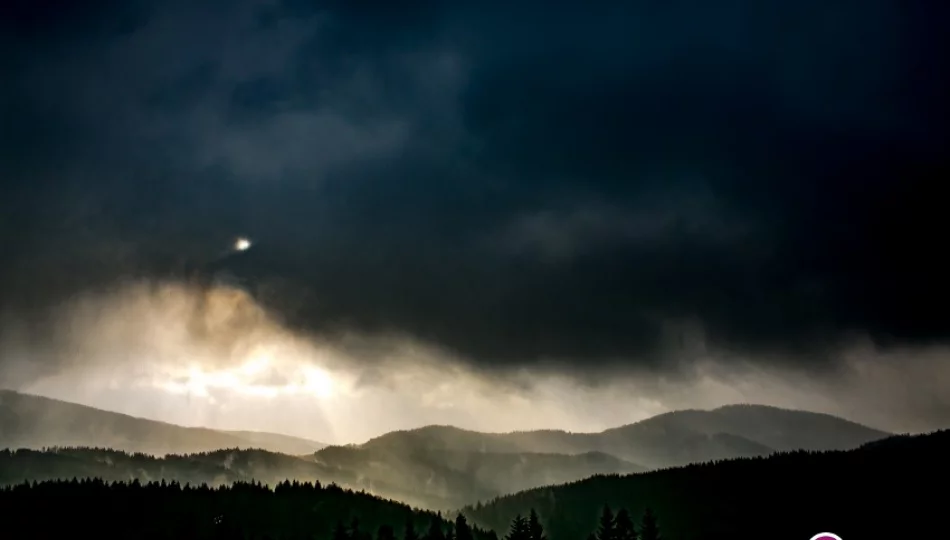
<point x="494" y="215"/>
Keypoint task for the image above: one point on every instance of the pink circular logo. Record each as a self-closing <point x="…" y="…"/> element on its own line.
<point x="826" y="536"/>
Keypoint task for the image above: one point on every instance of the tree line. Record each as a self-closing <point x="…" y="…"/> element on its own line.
<point x="438" y="529"/>
<point x="610" y="527"/>
<point x="292" y="510"/>
<point x="161" y="510"/>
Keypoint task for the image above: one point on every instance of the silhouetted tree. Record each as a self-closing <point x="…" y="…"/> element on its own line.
<point x="607" y="529"/>
<point x="435" y="529"/>
<point x="518" y="529"/>
<point x="462" y="529"/>
<point x="625" y="527"/>
<point x="535" y="530"/>
<point x="410" y="532"/>
<point x="649" y="530"/>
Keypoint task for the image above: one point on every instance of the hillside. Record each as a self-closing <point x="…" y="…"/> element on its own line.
<point x="435" y="481"/>
<point x="455" y="477"/>
<point x="438" y="467"/>
<point x="28" y="421"/>
<point x="216" y="468"/>
<point x="885" y="489"/>
<point x="247" y="511"/>
<point x="670" y="439"/>
<point x="276" y="442"/>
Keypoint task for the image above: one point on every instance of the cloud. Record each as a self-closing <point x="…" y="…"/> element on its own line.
<point x="557" y="188"/>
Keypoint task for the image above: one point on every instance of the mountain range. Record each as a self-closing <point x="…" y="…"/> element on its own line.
<point x="666" y="440"/>
<point x="439" y="467"/>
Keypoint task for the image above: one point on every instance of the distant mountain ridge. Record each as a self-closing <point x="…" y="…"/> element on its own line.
<point x="434" y="481"/>
<point x="28" y="421"/>
<point x="669" y="439"/>
<point x="438" y="467"/>
<point x="455" y="477"/>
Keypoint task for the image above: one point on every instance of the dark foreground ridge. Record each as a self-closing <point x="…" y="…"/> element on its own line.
<point x="292" y="511"/>
<point x="886" y="489"/>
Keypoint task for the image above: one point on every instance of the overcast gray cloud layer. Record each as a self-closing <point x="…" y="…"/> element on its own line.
<point x="569" y="184"/>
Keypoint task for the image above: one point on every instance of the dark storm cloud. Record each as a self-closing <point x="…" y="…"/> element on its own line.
<point x="512" y="183"/>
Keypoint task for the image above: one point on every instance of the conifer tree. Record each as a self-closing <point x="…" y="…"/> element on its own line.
<point x="519" y="529"/>
<point x="649" y="530"/>
<point x="607" y="529"/>
<point x="625" y="527"/>
<point x="462" y="530"/>
<point x="435" y="529"/>
<point x="535" y="530"/>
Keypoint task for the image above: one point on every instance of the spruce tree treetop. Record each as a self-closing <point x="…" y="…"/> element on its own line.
<point x="462" y="530"/>
<point x="607" y="529"/>
<point x="435" y="529"/>
<point x="649" y="529"/>
<point x="625" y="527"/>
<point x="519" y="529"/>
<point x="535" y="530"/>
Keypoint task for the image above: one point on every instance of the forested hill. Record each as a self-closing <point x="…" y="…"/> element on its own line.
<point x="433" y="480"/>
<point x="157" y="511"/>
<point x="28" y="421"/>
<point x="665" y="440"/>
<point x="891" y="488"/>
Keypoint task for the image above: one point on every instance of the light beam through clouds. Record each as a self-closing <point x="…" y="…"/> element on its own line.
<point x="500" y="213"/>
<point x="214" y="358"/>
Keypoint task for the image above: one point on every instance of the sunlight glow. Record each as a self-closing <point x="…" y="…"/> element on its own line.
<point x="260" y="376"/>
<point x="318" y="382"/>
<point x="242" y="244"/>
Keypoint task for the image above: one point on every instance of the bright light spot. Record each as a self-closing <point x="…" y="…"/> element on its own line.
<point x="293" y="378"/>
<point x="317" y="382"/>
<point x="256" y="365"/>
<point x="242" y="244"/>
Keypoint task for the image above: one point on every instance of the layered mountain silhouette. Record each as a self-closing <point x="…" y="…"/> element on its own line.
<point x="451" y="478"/>
<point x="439" y="467"/>
<point x="439" y="483"/>
<point x="884" y="489"/>
<point x="28" y="421"/>
<point x="669" y="439"/>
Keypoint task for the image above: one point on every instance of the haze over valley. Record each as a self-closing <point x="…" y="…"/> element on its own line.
<point x="434" y="467"/>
